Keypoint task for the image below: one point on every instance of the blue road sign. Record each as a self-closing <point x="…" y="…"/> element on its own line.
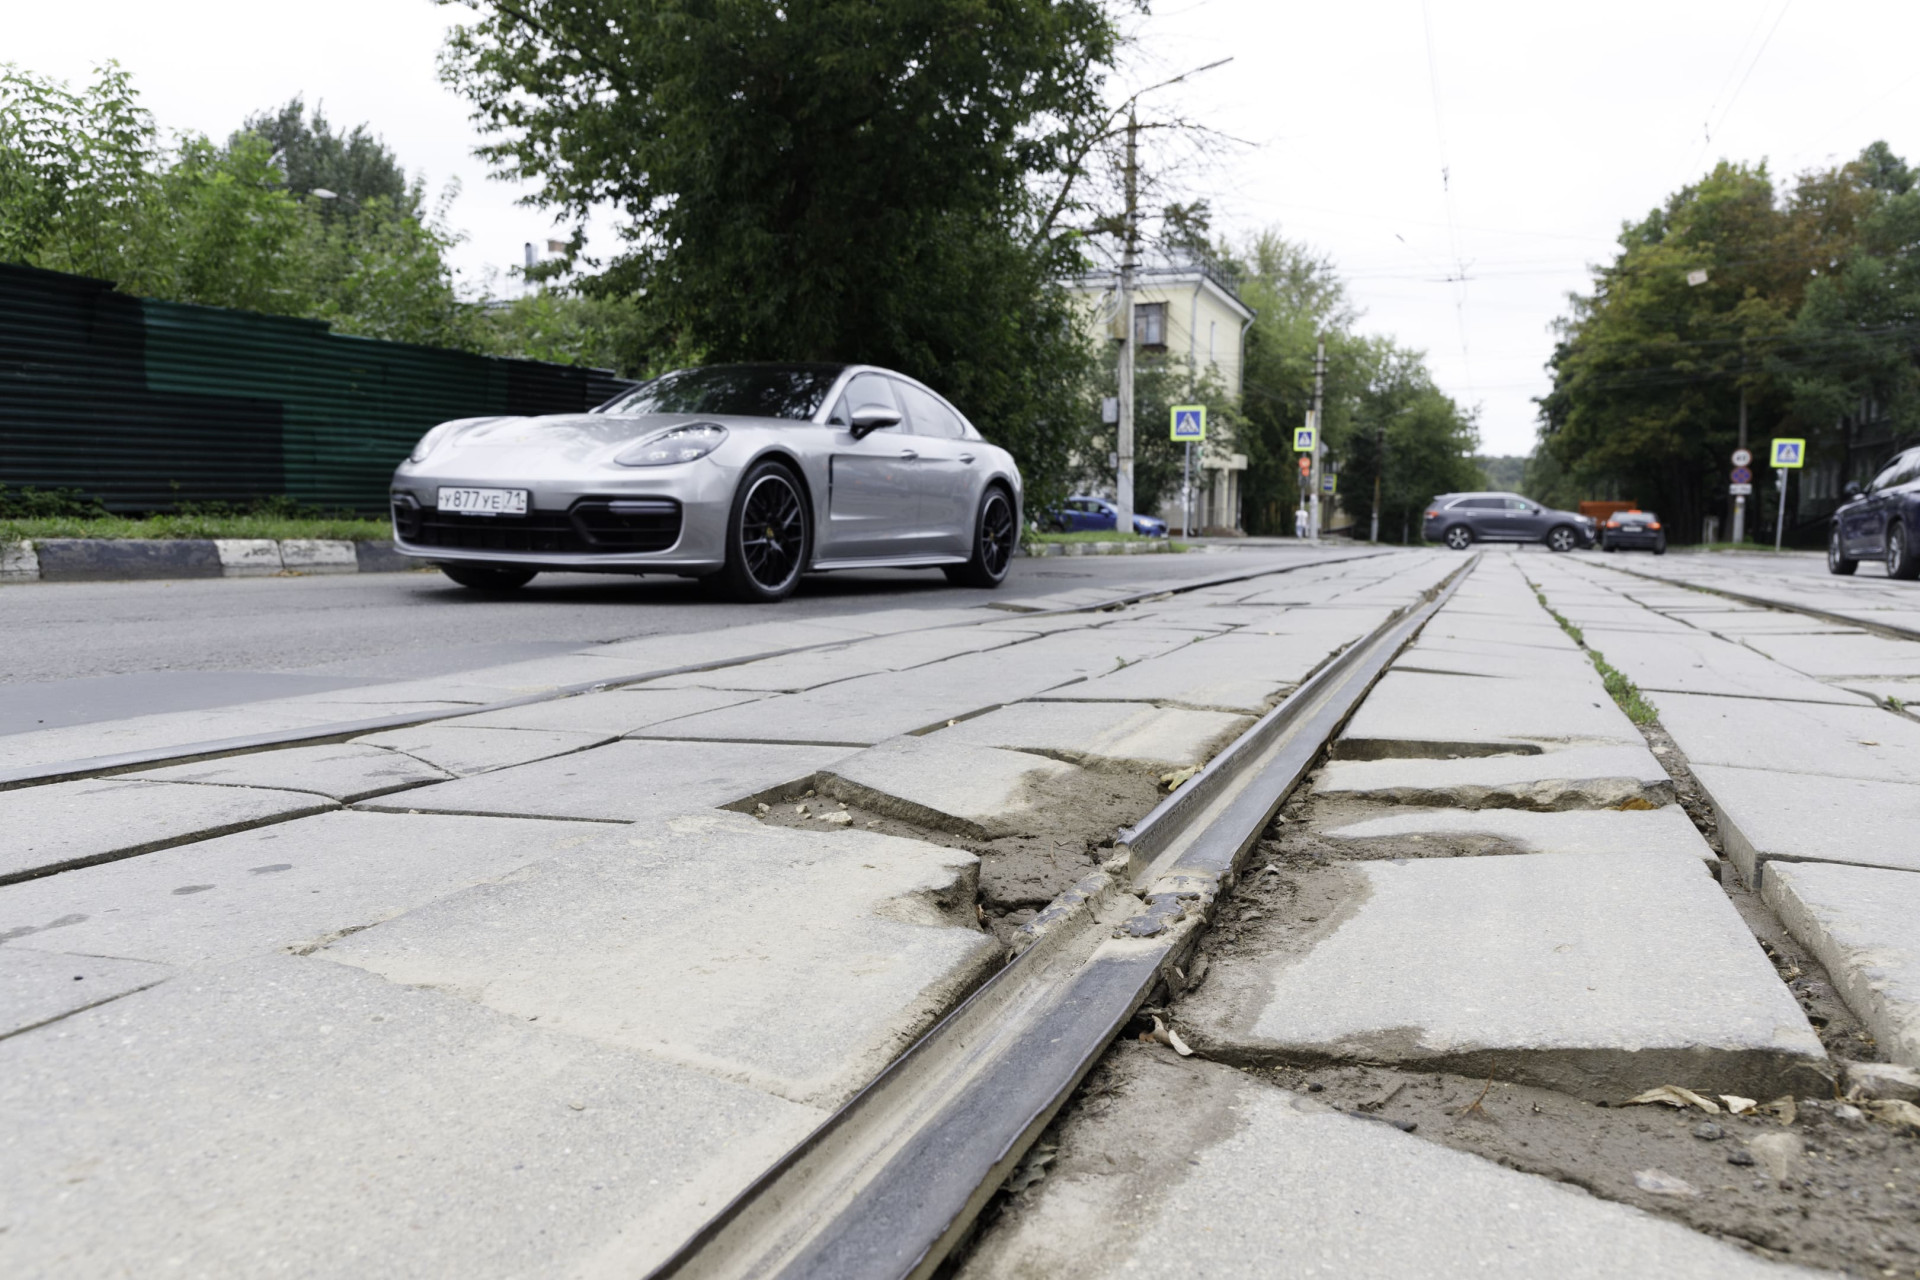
<point x="1189" y="422"/>
<point x="1743" y="475"/>
<point x="1789" y="453"/>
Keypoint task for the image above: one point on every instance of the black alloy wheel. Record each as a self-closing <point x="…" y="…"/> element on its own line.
<point x="768" y="535"/>
<point x="1562" y="538"/>
<point x="994" y="537"/>
<point x="1459" y="537"/>
<point x="1838" y="561"/>
<point x="489" y="577"/>
<point x="1902" y="560"/>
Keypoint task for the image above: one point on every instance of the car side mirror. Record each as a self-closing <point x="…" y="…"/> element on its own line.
<point x="1853" y="489"/>
<point x="872" y="418"/>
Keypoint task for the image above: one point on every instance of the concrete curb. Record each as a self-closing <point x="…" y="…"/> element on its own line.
<point x="119" y="559"/>
<point x="1158" y="546"/>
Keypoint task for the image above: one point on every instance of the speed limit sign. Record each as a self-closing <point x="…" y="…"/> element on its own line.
<point x="1742" y="457"/>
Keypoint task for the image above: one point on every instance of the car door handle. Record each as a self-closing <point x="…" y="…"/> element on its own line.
<point x="908" y="455"/>
<point x="967" y="458"/>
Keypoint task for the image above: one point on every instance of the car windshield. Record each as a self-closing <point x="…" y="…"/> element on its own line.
<point x="744" y="390"/>
<point x="1635" y="517"/>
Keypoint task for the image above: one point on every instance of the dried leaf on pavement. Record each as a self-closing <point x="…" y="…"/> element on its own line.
<point x="1895" y="1111"/>
<point x="1178" y="776"/>
<point x="1673" y="1095"/>
<point x="1166" y="1035"/>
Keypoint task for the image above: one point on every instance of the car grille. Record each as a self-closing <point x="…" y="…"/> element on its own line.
<point x="592" y="526"/>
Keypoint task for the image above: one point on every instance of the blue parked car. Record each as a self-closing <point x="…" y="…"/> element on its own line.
<point x="1080" y="514"/>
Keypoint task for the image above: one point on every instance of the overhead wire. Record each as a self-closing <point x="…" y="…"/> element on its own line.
<point x="1446" y="189"/>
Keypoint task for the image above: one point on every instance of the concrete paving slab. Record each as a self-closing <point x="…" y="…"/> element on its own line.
<point x="1102" y="732"/>
<point x="937" y="782"/>
<point x="1601" y="975"/>
<point x="1904" y="693"/>
<point x="1827" y="657"/>
<point x="292" y="886"/>
<point x="459" y="750"/>
<point x="285" y="1116"/>
<point x="184" y="728"/>
<point x="1701" y="663"/>
<point x="874" y="708"/>
<point x="1414" y="714"/>
<point x="71" y="824"/>
<point x="1572" y="778"/>
<point x="623" y="781"/>
<point x="1224" y="1176"/>
<point x="1863" y="923"/>
<point x="37" y="987"/>
<point x="1760" y="622"/>
<point x="1666" y="830"/>
<point x="1471" y="629"/>
<point x="1793" y="737"/>
<point x="1494" y="659"/>
<point x="835" y="950"/>
<point x="1237" y="673"/>
<point x="613" y="712"/>
<point x="665" y="652"/>
<point x="797" y="671"/>
<point x="1795" y="817"/>
<point x="342" y="771"/>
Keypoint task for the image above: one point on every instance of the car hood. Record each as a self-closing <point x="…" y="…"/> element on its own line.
<point x="563" y="439"/>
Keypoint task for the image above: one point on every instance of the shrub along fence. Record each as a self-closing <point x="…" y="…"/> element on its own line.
<point x="144" y="405"/>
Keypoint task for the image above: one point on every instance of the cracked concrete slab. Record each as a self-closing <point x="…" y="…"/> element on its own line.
<point x="1571" y="778"/>
<point x="1757" y="622"/>
<point x="1665" y="830"/>
<point x="1415" y="714"/>
<point x="1199" y="1170"/>
<point x="460" y="750"/>
<point x="798" y="671"/>
<point x="1706" y="664"/>
<point x="610" y="713"/>
<point x="1102" y="732"/>
<point x="1831" y="656"/>
<point x="834" y="952"/>
<point x="1600" y="975"/>
<point x="71" y="824"/>
<point x="503" y="1149"/>
<point x="1795" y="817"/>
<point x="343" y="771"/>
<point x="623" y="781"/>
<point x="1237" y="673"/>
<point x="1792" y="737"/>
<point x="983" y="792"/>
<point x="291" y="886"/>
<point x="1860" y="923"/>
<point x="1492" y="659"/>
<point x="37" y="987"/>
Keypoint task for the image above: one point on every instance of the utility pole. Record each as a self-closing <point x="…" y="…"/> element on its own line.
<point x="1123" y="446"/>
<point x="1319" y="441"/>
<point x="1740" y="499"/>
<point x="1379" y="466"/>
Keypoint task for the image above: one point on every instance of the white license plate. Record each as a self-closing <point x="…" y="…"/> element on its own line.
<point x="484" y="502"/>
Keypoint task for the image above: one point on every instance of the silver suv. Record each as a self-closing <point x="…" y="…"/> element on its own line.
<point x="1462" y="519"/>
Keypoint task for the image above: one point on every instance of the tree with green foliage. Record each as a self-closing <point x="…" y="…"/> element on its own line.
<point x="830" y="179"/>
<point x="354" y="165"/>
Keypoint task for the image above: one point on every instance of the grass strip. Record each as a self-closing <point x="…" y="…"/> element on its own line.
<point x="278" y="528"/>
<point x="1624" y="692"/>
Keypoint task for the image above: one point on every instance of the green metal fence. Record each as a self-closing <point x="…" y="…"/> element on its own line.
<point x="145" y="404"/>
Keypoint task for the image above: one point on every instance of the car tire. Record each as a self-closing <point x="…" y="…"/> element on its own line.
<point x="489" y="577"/>
<point x="1459" y="537"/>
<point x="1903" y="558"/>
<point x="1838" y="561"/>
<point x="1562" y="538"/>
<point x="769" y="535"/>
<point x="995" y="535"/>
<point x="1607" y="546"/>
<point x="1660" y="547"/>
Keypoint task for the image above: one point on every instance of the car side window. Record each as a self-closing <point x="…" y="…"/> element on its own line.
<point x="1482" y="504"/>
<point x="866" y="390"/>
<point x="928" y="415"/>
<point x="1889" y="475"/>
<point x="1518" y="504"/>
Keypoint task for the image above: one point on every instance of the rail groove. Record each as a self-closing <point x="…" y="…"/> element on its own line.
<point x="1888" y="630"/>
<point x="893" y="1181"/>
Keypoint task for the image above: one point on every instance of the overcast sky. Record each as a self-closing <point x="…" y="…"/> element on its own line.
<point x="1554" y="121"/>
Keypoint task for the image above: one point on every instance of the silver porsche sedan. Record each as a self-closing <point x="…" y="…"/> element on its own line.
<point x="745" y="475"/>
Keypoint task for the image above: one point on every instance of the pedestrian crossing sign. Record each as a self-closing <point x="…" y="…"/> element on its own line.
<point x="1189" y="423"/>
<point x="1303" y="438"/>
<point x="1789" y="453"/>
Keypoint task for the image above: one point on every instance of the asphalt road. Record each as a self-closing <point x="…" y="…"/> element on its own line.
<point x="77" y="653"/>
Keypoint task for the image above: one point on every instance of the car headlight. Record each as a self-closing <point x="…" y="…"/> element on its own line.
<point x="428" y="441"/>
<point x="679" y="444"/>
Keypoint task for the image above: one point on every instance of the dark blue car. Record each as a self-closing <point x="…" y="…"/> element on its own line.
<point x="1880" y="522"/>
<point x="1081" y="513"/>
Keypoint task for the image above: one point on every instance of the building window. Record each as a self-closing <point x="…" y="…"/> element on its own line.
<point x="1150" y="325"/>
